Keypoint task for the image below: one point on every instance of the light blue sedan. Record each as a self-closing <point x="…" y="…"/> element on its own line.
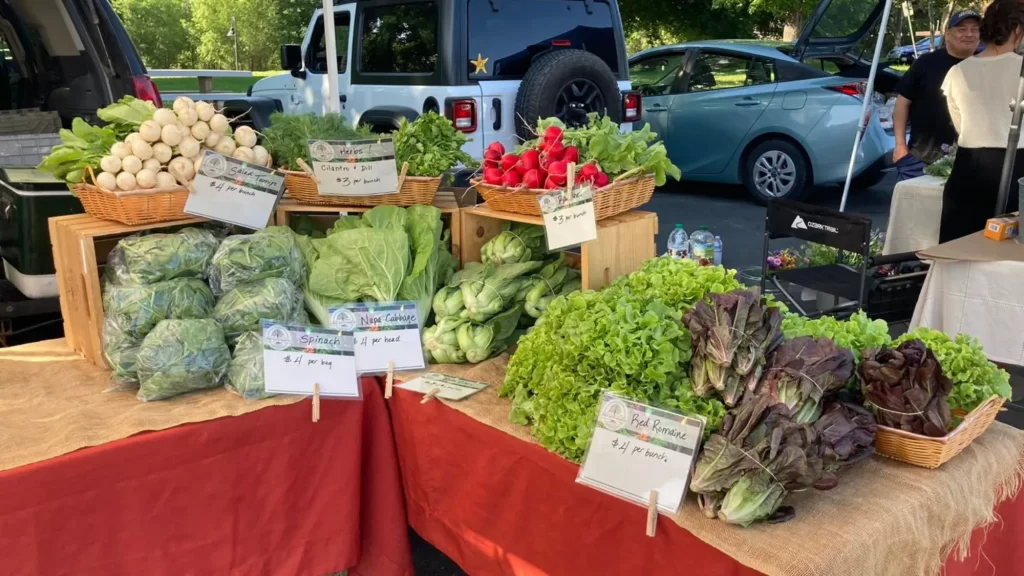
<point x="778" y="118"/>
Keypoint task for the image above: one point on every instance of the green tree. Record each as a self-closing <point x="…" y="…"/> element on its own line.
<point x="293" y="16"/>
<point x="791" y="13"/>
<point x="256" y="24"/>
<point x="657" y="22"/>
<point x="159" y="30"/>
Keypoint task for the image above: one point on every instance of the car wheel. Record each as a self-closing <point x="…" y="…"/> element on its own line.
<point x="568" y="84"/>
<point x="776" y="169"/>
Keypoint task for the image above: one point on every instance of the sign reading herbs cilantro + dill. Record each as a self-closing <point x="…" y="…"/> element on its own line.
<point x="354" y="167"/>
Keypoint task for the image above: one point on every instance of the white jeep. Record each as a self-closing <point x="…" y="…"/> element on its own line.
<point x="492" y="66"/>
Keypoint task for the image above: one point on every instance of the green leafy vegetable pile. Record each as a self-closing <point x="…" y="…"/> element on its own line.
<point x="269" y="253"/>
<point x="628" y="338"/>
<point x="856" y="334"/>
<point x="157" y="257"/>
<point x="906" y="388"/>
<point x="245" y="371"/>
<point x="802" y="372"/>
<point x="181" y="356"/>
<point x="975" y="379"/>
<point x="287" y="138"/>
<point x="516" y="243"/>
<point x="431" y="145"/>
<point x="240" y="309"/>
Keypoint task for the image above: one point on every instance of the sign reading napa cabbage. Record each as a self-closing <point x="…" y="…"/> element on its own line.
<point x="232" y="191"/>
<point x="637" y="448"/>
<point x="383" y="333"/>
<point x="354" y="167"/>
<point x="569" y="218"/>
<point x="296" y="358"/>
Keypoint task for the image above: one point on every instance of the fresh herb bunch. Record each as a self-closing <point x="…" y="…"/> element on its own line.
<point x="615" y="153"/>
<point x="856" y="334"/>
<point x="431" y="145"/>
<point x="288" y="136"/>
<point x="975" y="379"/>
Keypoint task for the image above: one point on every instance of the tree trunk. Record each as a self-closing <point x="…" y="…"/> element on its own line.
<point x="794" y="24"/>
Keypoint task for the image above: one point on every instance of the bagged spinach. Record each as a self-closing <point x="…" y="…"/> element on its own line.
<point x="181" y="356"/>
<point x="269" y="253"/>
<point x="241" y="308"/>
<point x="157" y="257"/>
<point x="245" y="372"/>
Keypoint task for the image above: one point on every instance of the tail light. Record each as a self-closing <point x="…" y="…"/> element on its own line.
<point x="855" y="89"/>
<point x="145" y="89"/>
<point x="462" y="113"/>
<point x="632" y="107"/>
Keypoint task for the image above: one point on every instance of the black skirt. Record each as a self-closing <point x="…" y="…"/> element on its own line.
<point x="969" y="199"/>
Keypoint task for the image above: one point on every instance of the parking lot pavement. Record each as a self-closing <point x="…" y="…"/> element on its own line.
<point x="730" y="212"/>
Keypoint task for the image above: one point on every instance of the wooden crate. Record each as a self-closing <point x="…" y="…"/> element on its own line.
<point x="445" y="200"/>
<point x="623" y="242"/>
<point x="81" y="244"/>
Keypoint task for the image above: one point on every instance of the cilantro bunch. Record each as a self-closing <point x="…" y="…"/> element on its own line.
<point x="975" y="379"/>
<point x="431" y="145"/>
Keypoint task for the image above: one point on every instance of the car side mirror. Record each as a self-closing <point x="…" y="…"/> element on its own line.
<point x="291" y="58"/>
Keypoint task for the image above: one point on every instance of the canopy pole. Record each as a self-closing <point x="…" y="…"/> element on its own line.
<point x="1011" y="149"/>
<point x="333" y="97"/>
<point x="869" y="93"/>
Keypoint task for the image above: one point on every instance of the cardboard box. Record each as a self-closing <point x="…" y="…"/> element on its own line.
<point x="1002" y="227"/>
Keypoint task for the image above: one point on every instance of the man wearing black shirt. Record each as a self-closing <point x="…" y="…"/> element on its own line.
<point x="922" y="102"/>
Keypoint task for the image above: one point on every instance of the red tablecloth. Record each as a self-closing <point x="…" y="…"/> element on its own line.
<point x="267" y="493"/>
<point x="498" y="505"/>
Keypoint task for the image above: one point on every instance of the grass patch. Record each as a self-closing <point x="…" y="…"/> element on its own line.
<point x="187" y="84"/>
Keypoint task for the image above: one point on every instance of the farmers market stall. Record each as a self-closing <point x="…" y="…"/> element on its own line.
<point x="518" y="509"/>
<point x="914" y="215"/>
<point x="99" y="483"/>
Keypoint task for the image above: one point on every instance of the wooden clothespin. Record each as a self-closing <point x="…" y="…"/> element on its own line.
<point x="652" y="514"/>
<point x="402" y="175"/>
<point x="430" y="395"/>
<point x="316" y="402"/>
<point x="305" y="168"/>
<point x="389" y="383"/>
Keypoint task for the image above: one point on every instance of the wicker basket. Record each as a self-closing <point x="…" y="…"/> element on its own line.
<point x="301" y="186"/>
<point x="613" y="199"/>
<point x="132" y="208"/>
<point x="930" y="452"/>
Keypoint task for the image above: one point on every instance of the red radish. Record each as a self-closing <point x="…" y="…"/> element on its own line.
<point x="545" y="162"/>
<point x="492" y="159"/>
<point x="510" y="179"/>
<point x="571" y="154"/>
<point x="532" y="179"/>
<point x="492" y="176"/>
<point x="509" y="161"/>
<point x="497" y="147"/>
<point x="550" y="184"/>
<point x="556" y="150"/>
<point x="557" y="172"/>
<point x="602" y="180"/>
<point x="528" y="160"/>
<point x="588" y="172"/>
<point x="553" y="133"/>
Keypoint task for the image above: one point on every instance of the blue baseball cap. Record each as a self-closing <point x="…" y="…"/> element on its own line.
<point x="956" y="19"/>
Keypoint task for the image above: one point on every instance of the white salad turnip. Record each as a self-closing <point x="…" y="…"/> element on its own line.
<point x="165" y="180"/>
<point x="121" y="149"/>
<point x="205" y="110"/>
<point x="126" y="181"/>
<point x="200" y="130"/>
<point x="106" y="180"/>
<point x="188" y="117"/>
<point x="196" y="165"/>
<point x="162" y="152"/>
<point x="212" y="139"/>
<point x="245" y="136"/>
<point x="141" y="149"/>
<point x="188" y="147"/>
<point x="111" y="164"/>
<point x="225" y="146"/>
<point x="145" y="179"/>
<point x="131" y="165"/>
<point x="151" y="164"/>
<point x="170" y="135"/>
<point x="260" y="155"/>
<point x="182" y="103"/>
<point x="131" y="138"/>
<point x="150" y="131"/>
<point x="164" y="116"/>
<point x="182" y="169"/>
<point x="219" y="124"/>
<point x="243" y="153"/>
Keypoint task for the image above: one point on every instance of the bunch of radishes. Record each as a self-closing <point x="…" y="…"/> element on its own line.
<point x="544" y="167"/>
<point x="167" y="149"/>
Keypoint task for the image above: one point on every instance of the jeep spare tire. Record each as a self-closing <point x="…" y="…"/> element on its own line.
<point x="568" y="84"/>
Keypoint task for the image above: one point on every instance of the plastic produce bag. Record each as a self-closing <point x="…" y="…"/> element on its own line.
<point x="158" y="257"/>
<point x="132" y="311"/>
<point x="270" y="253"/>
<point x="245" y="372"/>
<point x="241" y="309"/>
<point x="180" y="356"/>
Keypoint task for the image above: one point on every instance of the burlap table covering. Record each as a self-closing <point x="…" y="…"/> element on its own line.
<point x="885" y="518"/>
<point x="53" y="402"/>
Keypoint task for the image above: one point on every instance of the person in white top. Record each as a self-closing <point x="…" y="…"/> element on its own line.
<point x="979" y="92"/>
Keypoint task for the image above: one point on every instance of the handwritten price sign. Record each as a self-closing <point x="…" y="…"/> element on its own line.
<point x="382" y="333"/>
<point x="638" y="448"/>
<point x="568" y="217"/>
<point x="297" y="357"/>
<point x="229" y="190"/>
<point x="355" y="167"/>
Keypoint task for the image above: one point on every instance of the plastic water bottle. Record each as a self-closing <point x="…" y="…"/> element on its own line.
<point x="678" y="243"/>
<point x="702" y="247"/>
<point x="718" y="250"/>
